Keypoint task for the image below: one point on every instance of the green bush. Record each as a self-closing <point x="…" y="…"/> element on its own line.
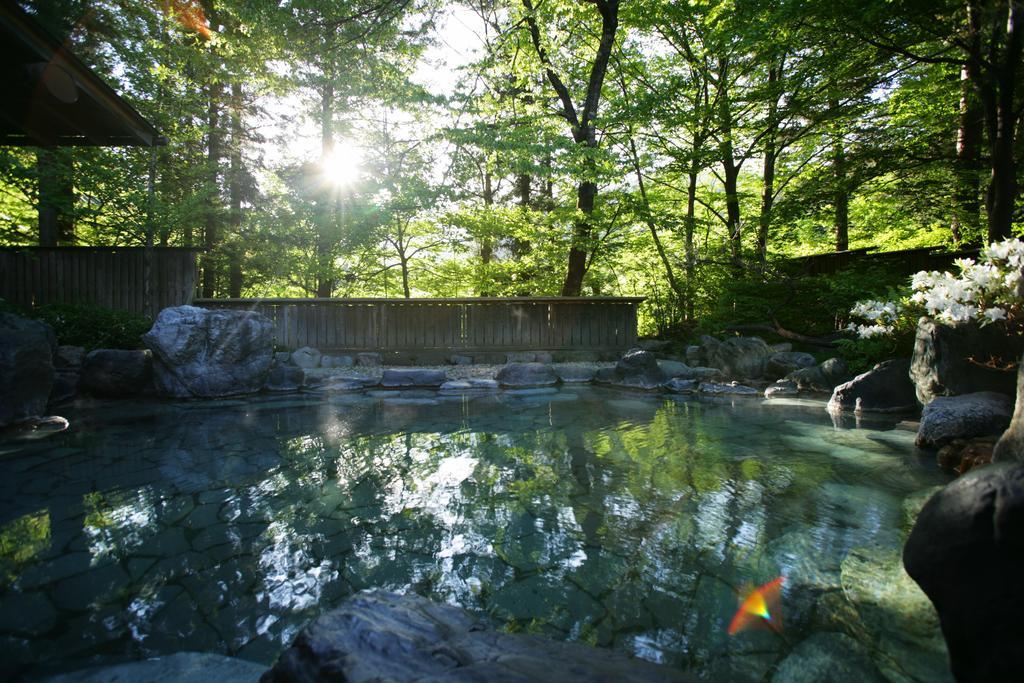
<point x="863" y="354"/>
<point x="812" y="305"/>
<point x="94" y="327"/>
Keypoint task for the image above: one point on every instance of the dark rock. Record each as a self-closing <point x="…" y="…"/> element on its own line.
<point x="702" y="374"/>
<point x="781" y="348"/>
<point x="577" y="373"/>
<point x="682" y="386"/>
<point x="673" y="368"/>
<point x="951" y="360"/>
<point x="457" y="359"/>
<point x="181" y="667"/>
<point x="208" y="353"/>
<point x="637" y="369"/>
<point x="960" y="456"/>
<point x="284" y="378"/>
<point x="117" y="372"/>
<point x="885" y="388"/>
<point x="69" y="357"/>
<point x="528" y="357"/>
<point x="527" y="375"/>
<point x="470" y="385"/>
<point x="1011" y="446"/>
<point x="822" y="377"/>
<point x="26" y="367"/>
<point x="966" y="551"/>
<point x="781" y="389"/>
<point x="405" y="638"/>
<point x="413" y="377"/>
<point x="731" y="389"/>
<point x="336" y="361"/>
<point x="781" y="363"/>
<point x="283" y="357"/>
<point x="307" y="357"/>
<point x="739" y="357"/>
<point x="828" y="657"/>
<point x="65" y="385"/>
<point x="341" y="385"/>
<point x="368" y="359"/>
<point x="694" y="355"/>
<point x="963" y="417"/>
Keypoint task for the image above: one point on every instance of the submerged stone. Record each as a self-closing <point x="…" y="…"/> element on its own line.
<point x="383" y="636"/>
<point x="831" y="657"/>
<point x="181" y="667"/>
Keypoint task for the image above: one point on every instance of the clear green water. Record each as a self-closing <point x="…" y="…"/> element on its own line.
<point x="623" y="520"/>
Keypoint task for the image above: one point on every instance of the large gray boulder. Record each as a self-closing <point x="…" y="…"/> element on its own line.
<point x="413" y="377"/>
<point x="206" y="353"/>
<point x="823" y="378"/>
<point x="950" y="360"/>
<point x="1010" y="447"/>
<point x="527" y="375"/>
<point x="284" y="378"/>
<point x="885" y="388"/>
<point x="737" y="357"/>
<point x="307" y="357"/>
<point x="376" y="637"/>
<point x="963" y="417"/>
<point x="637" y="369"/>
<point x="781" y="363"/>
<point x="966" y="551"/>
<point x="26" y="367"/>
<point x="114" y="373"/>
<point x="575" y="373"/>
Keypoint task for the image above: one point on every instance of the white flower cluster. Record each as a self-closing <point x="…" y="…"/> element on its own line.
<point x="984" y="291"/>
<point x="882" y="316"/>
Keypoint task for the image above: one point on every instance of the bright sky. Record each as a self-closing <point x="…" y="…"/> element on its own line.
<point x="295" y="139"/>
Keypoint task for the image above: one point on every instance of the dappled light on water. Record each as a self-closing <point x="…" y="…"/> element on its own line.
<point x="621" y="520"/>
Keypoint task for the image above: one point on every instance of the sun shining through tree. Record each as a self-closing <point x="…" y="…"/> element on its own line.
<point x="342" y="165"/>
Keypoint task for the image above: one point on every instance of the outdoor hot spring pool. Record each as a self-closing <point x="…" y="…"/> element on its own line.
<point x="622" y="520"/>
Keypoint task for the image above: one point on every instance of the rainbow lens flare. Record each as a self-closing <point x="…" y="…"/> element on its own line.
<point x="759" y="608"/>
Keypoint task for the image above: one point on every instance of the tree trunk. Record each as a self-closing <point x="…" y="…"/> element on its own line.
<point x="840" y="190"/>
<point x="994" y="68"/>
<point x="486" y="246"/>
<point x="586" y="195"/>
<point x="677" y="289"/>
<point x="730" y="169"/>
<point x="213" y="154"/>
<point x="405" y="278"/>
<point x="690" y="226"/>
<point x="768" y="172"/>
<point x="583" y="130"/>
<point x="967" y="165"/>
<point x="324" y="281"/>
<point x="235" y="194"/>
<point x="55" y="170"/>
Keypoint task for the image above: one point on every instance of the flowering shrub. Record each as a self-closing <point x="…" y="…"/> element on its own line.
<point x="983" y="292"/>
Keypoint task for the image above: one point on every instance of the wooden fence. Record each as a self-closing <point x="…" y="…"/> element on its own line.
<point x="415" y="326"/>
<point x="113" y="277"/>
